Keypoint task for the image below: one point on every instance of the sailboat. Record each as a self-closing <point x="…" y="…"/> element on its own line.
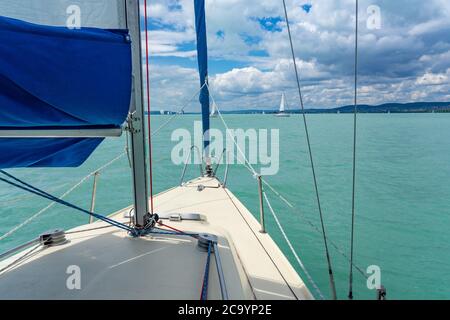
<point x="282" y="111"/>
<point x="194" y="240"/>
<point x="214" y="111"/>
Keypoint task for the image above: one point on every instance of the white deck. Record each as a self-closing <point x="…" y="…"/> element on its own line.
<point x="116" y="266"/>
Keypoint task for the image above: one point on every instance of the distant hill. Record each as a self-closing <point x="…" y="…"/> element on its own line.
<point x="414" y="107"/>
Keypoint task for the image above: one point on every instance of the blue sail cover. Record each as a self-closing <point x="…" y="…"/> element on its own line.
<point x="202" y="55"/>
<point x="57" y="78"/>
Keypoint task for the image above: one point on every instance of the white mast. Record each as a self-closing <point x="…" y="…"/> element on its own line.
<point x="137" y="116"/>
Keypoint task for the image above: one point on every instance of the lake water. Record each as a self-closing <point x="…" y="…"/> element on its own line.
<point x="402" y="205"/>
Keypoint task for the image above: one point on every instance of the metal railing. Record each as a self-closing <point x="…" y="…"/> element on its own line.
<point x="225" y="177"/>
<point x="94" y="195"/>
<point x="19" y="248"/>
<point x="49" y="238"/>
<point x="187" y="162"/>
<point x="202" y="173"/>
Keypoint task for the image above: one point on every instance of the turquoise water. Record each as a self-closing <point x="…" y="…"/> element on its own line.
<point x="403" y="193"/>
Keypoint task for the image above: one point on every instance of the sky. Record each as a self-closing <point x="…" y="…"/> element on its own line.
<point x="404" y="52"/>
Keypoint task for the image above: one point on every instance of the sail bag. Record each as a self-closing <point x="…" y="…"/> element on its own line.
<point x="54" y="77"/>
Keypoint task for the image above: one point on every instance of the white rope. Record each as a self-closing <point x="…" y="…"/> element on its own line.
<point x="299" y="261"/>
<point x="287" y="202"/>
<point x="297" y="210"/>
<point x="254" y="173"/>
<point x="179" y="112"/>
<point x="37" y="214"/>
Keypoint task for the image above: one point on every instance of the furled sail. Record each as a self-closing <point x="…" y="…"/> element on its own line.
<point x="56" y="78"/>
<point x="104" y="14"/>
<point x="202" y="56"/>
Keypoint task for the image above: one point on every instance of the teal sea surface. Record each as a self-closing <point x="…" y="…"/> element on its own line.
<point x="402" y="198"/>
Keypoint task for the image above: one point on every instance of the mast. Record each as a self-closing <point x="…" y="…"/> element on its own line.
<point x="202" y="55"/>
<point x="137" y="116"/>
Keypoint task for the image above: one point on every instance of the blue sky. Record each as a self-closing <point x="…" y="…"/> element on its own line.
<point x="407" y="59"/>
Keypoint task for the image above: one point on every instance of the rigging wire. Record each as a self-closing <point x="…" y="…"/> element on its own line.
<point x="172" y="117"/>
<point x="29" y="188"/>
<point x="299" y="261"/>
<point x="247" y="164"/>
<point x="327" y="253"/>
<point x="294" y="209"/>
<point x="69" y="191"/>
<point x="355" y="121"/>
<point x="82" y="181"/>
<point x="148" y="107"/>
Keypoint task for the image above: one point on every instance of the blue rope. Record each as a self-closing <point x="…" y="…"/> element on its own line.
<point x="29" y="188"/>
<point x="204" y="295"/>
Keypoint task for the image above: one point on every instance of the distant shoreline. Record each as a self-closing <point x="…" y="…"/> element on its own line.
<point x="415" y="107"/>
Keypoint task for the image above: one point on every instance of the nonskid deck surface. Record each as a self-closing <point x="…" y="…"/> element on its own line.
<point x="113" y="265"/>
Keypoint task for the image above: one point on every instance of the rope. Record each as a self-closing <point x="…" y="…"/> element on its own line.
<point x="204" y="293"/>
<point x="177" y="230"/>
<point x="355" y="112"/>
<point x="261" y="244"/>
<point x="148" y="108"/>
<point x="327" y="253"/>
<point x="29" y="188"/>
<point x="299" y="261"/>
<point x="82" y="181"/>
<point x="40" y="212"/>
<point x="293" y="208"/>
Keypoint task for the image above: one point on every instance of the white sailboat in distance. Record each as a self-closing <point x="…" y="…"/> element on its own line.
<point x="282" y="112"/>
<point x="214" y="112"/>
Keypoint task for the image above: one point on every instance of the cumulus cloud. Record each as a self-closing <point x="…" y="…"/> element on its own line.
<point x="433" y="78"/>
<point x="406" y="60"/>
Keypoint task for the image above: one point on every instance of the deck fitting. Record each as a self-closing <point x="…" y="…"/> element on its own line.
<point x="204" y="239"/>
<point x="53" y="238"/>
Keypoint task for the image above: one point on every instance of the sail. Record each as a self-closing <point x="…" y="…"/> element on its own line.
<point x="283" y="104"/>
<point x="214" y="109"/>
<point x="202" y="56"/>
<point x="55" y="78"/>
<point x="105" y="14"/>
